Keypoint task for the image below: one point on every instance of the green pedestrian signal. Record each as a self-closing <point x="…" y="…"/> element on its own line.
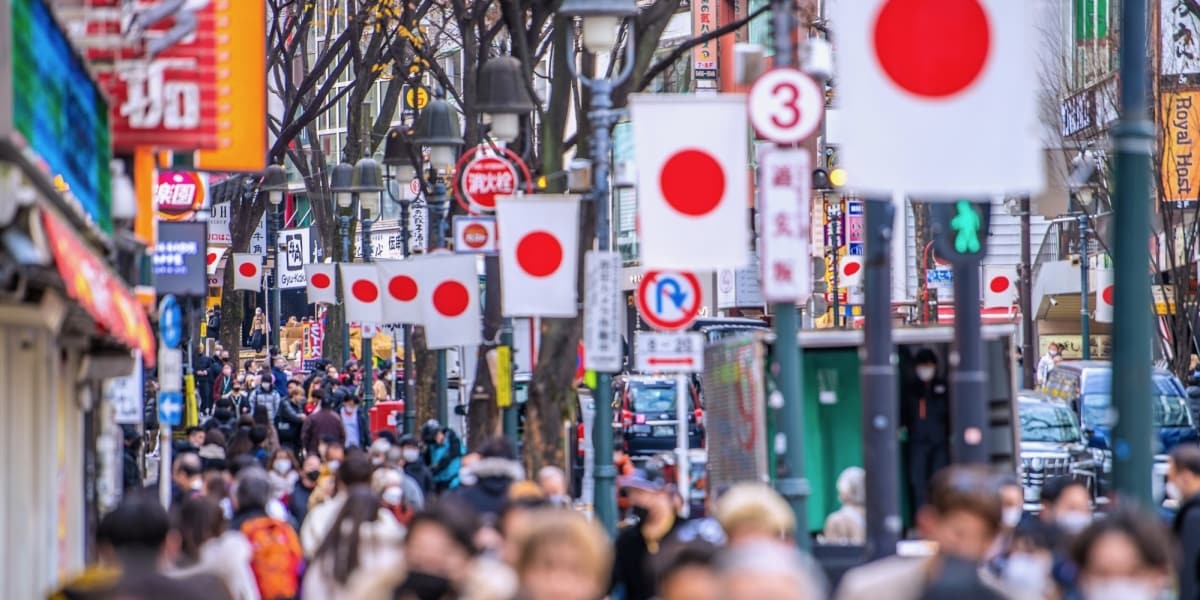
<point x="966" y="225"/>
<point x="960" y="229"/>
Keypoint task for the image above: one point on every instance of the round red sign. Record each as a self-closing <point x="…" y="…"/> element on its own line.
<point x="178" y="195"/>
<point x="475" y="235"/>
<point x="485" y="178"/>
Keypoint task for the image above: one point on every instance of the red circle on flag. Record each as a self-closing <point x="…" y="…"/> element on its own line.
<point x="539" y="253"/>
<point x="692" y="182"/>
<point x="248" y="269"/>
<point x="1107" y="294"/>
<point x="999" y="285"/>
<point x="403" y="288"/>
<point x="851" y="268"/>
<point x="212" y="257"/>
<point x="364" y="291"/>
<point x="450" y="298"/>
<point x="320" y="281"/>
<point x="932" y="49"/>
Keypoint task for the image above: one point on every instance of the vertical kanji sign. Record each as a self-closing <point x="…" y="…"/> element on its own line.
<point x="785" y="196"/>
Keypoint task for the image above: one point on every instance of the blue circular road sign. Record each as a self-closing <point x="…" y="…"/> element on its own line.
<point x="170" y="322"/>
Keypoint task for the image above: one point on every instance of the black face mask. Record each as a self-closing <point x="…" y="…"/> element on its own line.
<point x="312" y="475"/>
<point x="641" y="512"/>
<point x="426" y="586"/>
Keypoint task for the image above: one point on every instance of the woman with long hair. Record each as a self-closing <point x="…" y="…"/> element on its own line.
<point x="206" y="547"/>
<point x="358" y="544"/>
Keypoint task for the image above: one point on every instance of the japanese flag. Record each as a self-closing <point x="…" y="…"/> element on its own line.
<point x="360" y="293"/>
<point x="931" y="80"/>
<point x="321" y="278"/>
<point x="691" y="153"/>
<point x="539" y="262"/>
<point x="213" y="259"/>
<point x="850" y="271"/>
<point x="247" y="271"/>
<point x="400" y="281"/>
<point x="449" y="291"/>
<point x="999" y="286"/>
<point x="1104" y="296"/>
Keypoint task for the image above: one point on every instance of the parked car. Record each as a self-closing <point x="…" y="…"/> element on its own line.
<point x="644" y="414"/>
<point x="1052" y="445"/>
<point x="1087" y="386"/>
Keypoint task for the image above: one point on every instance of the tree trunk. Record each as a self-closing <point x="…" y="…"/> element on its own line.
<point x="483" y="414"/>
<point x="231" y="314"/>
<point x="425" y="390"/>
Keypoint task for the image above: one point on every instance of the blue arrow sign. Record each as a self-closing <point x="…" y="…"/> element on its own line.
<point x="170" y="408"/>
<point x="170" y="322"/>
<point x="678" y="296"/>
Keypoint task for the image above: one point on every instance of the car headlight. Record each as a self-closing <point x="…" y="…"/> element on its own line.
<point x="1097" y="455"/>
<point x="1037" y="464"/>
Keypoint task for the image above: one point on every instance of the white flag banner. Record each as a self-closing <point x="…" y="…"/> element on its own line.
<point x="932" y="81"/>
<point x="247" y="271"/>
<point x="401" y="288"/>
<point x="321" y="278"/>
<point x="850" y="271"/>
<point x="999" y="286"/>
<point x="693" y="181"/>
<point x="539" y="255"/>
<point x="360" y="293"/>
<point x="1104" y="295"/>
<point x="295" y="251"/>
<point x="449" y="291"/>
<point x="213" y="258"/>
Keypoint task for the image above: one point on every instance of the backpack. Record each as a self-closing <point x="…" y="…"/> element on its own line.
<point x="275" y="559"/>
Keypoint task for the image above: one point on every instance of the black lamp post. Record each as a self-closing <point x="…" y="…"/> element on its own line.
<point x="601" y="19"/>
<point x="341" y="183"/>
<point x="368" y="185"/>
<point x="398" y="154"/>
<point x="275" y="184"/>
<point x="437" y="128"/>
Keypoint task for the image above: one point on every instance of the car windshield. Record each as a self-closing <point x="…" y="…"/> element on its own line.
<point x="1169" y="411"/>
<point x="1046" y="422"/>
<point x="652" y="397"/>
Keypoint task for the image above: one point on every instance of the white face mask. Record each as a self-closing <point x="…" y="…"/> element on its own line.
<point x="197" y="485"/>
<point x="334" y="464"/>
<point x="392" y="496"/>
<point x="1027" y="572"/>
<point x="1073" y="521"/>
<point x="411" y="455"/>
<point x="282" y="466"/>
<point x="377" y="460"/>
<point x="1173" y="492"/>
<point x="1120" y="589"/>
<point x="926" y="373"/>
<point x="1011" y="516"/>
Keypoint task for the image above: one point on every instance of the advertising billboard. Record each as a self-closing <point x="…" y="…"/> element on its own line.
<point x="179" y="259"/>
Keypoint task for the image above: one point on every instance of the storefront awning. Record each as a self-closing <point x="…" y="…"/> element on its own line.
<point x="91" y="283"/>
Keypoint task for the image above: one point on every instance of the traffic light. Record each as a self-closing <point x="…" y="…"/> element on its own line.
<point x="961" y="229"/>
<point x="830" y="179"/>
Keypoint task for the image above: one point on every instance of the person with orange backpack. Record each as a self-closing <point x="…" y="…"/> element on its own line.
<point x="276" y="558"/>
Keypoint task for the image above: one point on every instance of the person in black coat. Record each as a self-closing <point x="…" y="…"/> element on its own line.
<point x="495" y="472"/>
<point x="410" y="452"/>
<point x="298" y="499"/>
<point x="925" y="416"/>
<point x="288" y="421"/>
<point x="1183" y="486"/>
<point x="131" y="473"/>
<point x="224" y="418"/>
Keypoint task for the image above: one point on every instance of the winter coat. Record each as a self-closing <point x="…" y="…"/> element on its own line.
<point x="226" y="557"/>
<point x="318" y="425"/>
<point x="487" y="495"/>
<point x="445" y="459"/>
<point x="279" y="379"/>
<point x="420" y="473"/>
<point x="224" y="421"/>
<point x="898" y="578"/>
<point x="1187" y="533"/>
<point x="486" y="579"/>
<point x="1193" y="394"/>
<point x="298" y="502"/>
<point x="131" y="475"/>
<point x="281" y="485"/>
<point x="364" y="428"/>
<point x="288" y="421"/>
<point x="222" y="385"/>
<point x="268" y="398"/>
<point x="846" y="526"/>
<point x="380" y="547"/>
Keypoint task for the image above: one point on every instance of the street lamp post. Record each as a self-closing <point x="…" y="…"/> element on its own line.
<point x="275" y="185"/>
<point x="398" y="155"/>
<point x="504" y="97"/>
<point x="437" y="128"/>
<point x="341" y="182"/>
<point x="368" y="185"/>
<point x="1084" y="198"/>
<point x="601" y="19"/>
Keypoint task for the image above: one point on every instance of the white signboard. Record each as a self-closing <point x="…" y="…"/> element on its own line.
<point x="786" y="106"/>
<point x="602" y="312"/>
<point x="295" y="251"/>
<point x="124" y="394"/>
<point x="474" y="235"/>
<point x="170" y="370"/>
<point x="674" y="352"/>
<point x="218" y="230"/>
<point x="785" y="200"/>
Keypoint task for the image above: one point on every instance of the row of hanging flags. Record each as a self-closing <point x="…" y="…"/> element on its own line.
<point x="915" y="103"/>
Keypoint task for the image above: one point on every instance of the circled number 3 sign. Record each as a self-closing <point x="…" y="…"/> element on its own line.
<point x="786" y="106"/>
<point x="669" y="300"/>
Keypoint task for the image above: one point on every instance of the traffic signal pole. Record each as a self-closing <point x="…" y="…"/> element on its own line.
<point x="1133" y="139"/>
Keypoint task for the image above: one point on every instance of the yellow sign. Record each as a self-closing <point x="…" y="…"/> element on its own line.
<point x="241" y="89"/>
<point x="1164" y="299"/>
<point x="416" y="97"/>
<point x="503" y="376"/>
<point x="1071" y="345"/>
<point x="1179" y="164"/>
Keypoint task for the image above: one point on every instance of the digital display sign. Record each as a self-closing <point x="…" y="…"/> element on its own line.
<point x="180" y="265"/>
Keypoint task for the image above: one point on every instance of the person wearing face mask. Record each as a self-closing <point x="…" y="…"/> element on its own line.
<point x="223" y="383"/>
<point x="925" y="417"/>
<point x="1046" y="363"/>
<point x="1026" y="567"/>
<point x="1124" y="556"/>
<point x="297" y="503"/>
<point x="354" y="423"/>
<point x="1183" y="486"/>
<point x="264" y="394"/>
<point x="1067" y="510"/>
<point x="410" y="454"/>
<point x="1012" y="505"/>
<point x="186" y="477"/>
<point x="962" y="518"/>
<point x="637" y="545"/>
<point x="283" y="473"/>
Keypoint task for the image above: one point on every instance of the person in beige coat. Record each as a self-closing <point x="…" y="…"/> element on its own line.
<point x="847" y="526"/>
<point x="361" y="541"/>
